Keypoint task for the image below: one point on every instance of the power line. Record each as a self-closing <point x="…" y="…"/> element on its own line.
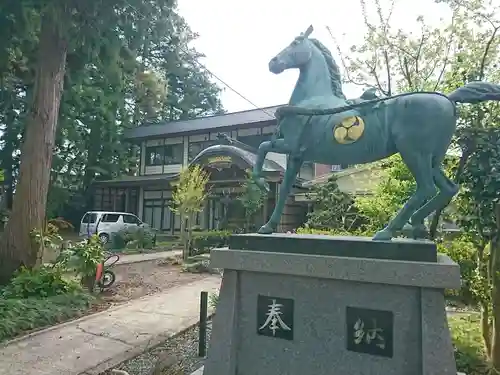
<point x="208" y="70"/>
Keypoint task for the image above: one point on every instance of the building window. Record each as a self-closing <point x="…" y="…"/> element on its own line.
<point x="174" y="153"/>
<point x="164" y="155"/>
<point x="153" y="212"/>
<point x="196" y="147"/>
<point x="154" y="155"/>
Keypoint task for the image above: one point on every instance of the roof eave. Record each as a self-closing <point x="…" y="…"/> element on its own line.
<point x="134" y="138"/>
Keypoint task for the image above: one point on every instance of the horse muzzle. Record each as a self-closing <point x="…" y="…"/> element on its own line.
<point x="276" y="66"/>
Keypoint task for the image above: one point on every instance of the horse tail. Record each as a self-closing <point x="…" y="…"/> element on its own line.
<point x="475" y="92"/>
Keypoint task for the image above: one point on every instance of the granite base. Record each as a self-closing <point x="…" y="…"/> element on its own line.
<point x="341" y="315"/>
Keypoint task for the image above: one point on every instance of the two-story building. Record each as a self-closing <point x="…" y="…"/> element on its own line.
<point x="225" y="146"/>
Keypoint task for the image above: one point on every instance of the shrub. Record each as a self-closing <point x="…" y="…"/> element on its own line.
<point x="43" y="281"/>
<point x="464" y="254"/>
<point x="203" y="242"/>
<point x="470" y="354"/>
<point x="118" y="240"/>
<point x="21" y="315"/>
<point x="83" y="258"/>
<point x="143" y="238"/>
<point x="213" y="299"/>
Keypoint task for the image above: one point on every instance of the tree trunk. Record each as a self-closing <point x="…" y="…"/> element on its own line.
<point x="184" y="241"/>
<point x="30" y="199"/>
<point x="485" y="326"/>
<point x="495" y="294"/>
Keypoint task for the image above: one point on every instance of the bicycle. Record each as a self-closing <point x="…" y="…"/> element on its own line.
<point x="105" y="278"/>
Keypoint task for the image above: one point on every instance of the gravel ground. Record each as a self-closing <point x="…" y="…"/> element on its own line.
<point x="179" y="355"/>
<point x="136" y="280"/>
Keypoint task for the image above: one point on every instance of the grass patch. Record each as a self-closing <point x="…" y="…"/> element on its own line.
<point x="18" y="316"/>
<point x="468" y="342"/>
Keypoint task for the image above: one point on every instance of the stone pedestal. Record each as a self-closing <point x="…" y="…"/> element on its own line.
<point x="307" y="305"/>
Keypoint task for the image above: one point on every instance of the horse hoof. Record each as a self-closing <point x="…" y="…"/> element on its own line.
<point x="419" y="232"/>
<point x="383" y="235"/>
<point x="265" y="229"/>
<point x="407" y="228"/>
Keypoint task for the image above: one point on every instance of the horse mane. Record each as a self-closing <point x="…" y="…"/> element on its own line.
<point x="333" y="68"/>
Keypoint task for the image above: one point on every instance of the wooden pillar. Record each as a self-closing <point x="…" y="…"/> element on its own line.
<point x="127" y="200"/>
<point x="113" y="198"/>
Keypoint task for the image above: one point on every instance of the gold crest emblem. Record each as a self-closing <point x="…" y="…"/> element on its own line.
<point x="349" y="130"/>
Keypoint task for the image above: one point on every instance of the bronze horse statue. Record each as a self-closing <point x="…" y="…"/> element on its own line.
<point x="321" y="126"/>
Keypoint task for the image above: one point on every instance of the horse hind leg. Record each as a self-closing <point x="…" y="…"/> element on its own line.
<point x="420" y="165"/>
<point x="447" y="190"/>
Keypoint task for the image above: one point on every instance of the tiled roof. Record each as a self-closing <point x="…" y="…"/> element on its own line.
<point x="203" y="124"/>
<point x="136" y="180"/>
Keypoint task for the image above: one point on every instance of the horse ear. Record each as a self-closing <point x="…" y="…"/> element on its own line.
<point x="308" y="31"/>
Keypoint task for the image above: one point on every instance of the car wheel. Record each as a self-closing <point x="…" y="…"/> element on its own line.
<point x="104" y="237"/>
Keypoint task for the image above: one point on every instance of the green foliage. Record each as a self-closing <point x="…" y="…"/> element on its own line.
<point x="213" y="300"/>
<point x="137" y="238"/>
<point x="190" y="191"/>
<point x="20" y="315"/>
<point x="470" y="354"/>
<point x="43" y="281"/>
<point x="461" y="49"/>
<point x="396" y="186"/>
<point x="188" y="197"/>
<point x="252" y="199"/>
<point x="126" y="64"/>
<point x="119" y="240"/>
<point x="480" y="184"/>
<point x="333" y="209"/>
<point x="463" y="252"/>
<point x="83" y="258"/>
<point x="203" y="242"/>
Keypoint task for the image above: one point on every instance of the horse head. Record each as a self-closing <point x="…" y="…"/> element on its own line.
<point x="296" y="55"/>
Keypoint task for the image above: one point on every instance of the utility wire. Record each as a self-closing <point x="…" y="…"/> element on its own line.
<point x="208" y="70"/>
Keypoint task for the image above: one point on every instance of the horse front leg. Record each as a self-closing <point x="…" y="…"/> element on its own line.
<point x="264" y="148"/>
<point x="292" y="169"/>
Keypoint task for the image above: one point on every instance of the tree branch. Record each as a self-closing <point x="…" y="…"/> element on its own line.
<point x="419" y="50"/>
<point x="486" y="51"/>
<point x="467" y="7"/>
<point x="447" y="55"/>
<point x="342" y="60"/>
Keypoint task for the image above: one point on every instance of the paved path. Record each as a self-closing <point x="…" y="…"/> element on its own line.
<point x="95" y="343"/>
<point x="134" y="258"/>
<point x="200" y="372"/>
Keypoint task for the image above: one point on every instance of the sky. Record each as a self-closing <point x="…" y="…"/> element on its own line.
<point x="240" y="37"/>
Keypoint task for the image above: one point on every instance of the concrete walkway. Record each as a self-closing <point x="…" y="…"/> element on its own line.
<point x="98" y="342"/>
<point x="200" y="372"/>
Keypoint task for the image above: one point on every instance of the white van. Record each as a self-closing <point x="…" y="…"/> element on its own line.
<point x="104" y="223"/>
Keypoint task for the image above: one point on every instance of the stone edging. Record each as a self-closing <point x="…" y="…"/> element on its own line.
<point x="137" y="350"/>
